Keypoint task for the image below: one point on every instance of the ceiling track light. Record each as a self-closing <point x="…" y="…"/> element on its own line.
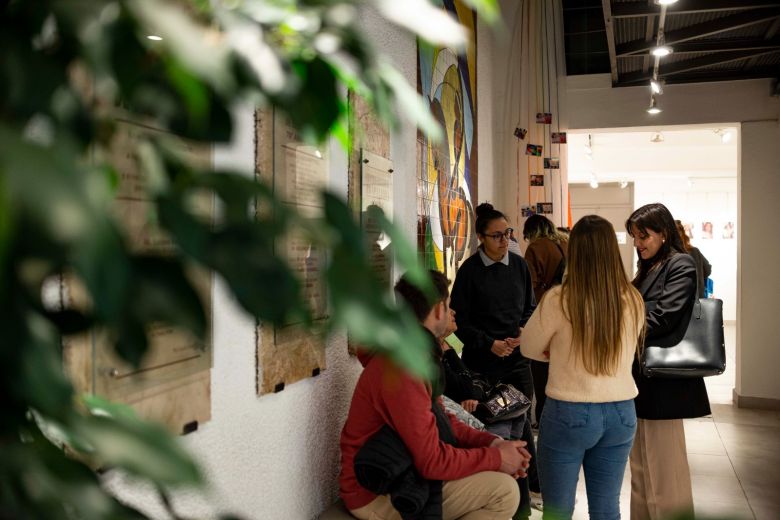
<point x="661" y="51"/>
<point x="657" y="137"/>
<point x="653" y="109"/>
<point x="657" y="86"/>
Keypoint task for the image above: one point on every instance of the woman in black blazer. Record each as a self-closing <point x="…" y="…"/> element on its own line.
<point x="666" y="278"/>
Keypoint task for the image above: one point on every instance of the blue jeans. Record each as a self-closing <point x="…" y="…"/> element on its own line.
<point x="596" y="436"/>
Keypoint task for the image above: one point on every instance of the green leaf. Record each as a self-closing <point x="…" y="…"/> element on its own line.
<point x="38" y="481"/>
<point x="163" y="292"/>
<point x="404" y="253"/>
<point x="361" y="304"/>
<point x="143" y="449"/>
<point x="488" y="10"/>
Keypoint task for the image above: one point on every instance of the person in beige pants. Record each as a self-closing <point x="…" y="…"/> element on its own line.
<point x="666" y="278"/>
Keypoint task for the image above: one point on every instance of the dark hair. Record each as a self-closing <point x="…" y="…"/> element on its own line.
<point x="485" y="215"/>
<point x="415" y="297"/>
<point x="655" y="217"/>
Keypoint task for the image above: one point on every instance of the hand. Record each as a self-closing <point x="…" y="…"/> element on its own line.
<point x="501" y="348"/>
<point x="514" y="457"/>
<point x="513" y="342"/>
<point x="469" y="405"/>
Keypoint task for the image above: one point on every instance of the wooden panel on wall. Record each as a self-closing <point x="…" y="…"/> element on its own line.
<point x="297" y="172"/>
<point x="173" y="383"/>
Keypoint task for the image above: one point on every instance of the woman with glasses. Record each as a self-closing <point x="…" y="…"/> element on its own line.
<point x="493" y="298"/>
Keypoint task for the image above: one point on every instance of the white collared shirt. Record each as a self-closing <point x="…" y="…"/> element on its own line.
<point x="489" y="261"/>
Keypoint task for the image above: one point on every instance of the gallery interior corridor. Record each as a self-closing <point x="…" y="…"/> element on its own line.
<point x="734" y="457"/>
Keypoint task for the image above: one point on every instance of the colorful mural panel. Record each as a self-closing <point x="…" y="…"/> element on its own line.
<point x="447" y="171"/>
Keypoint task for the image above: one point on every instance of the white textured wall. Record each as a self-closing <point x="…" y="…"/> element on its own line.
<point x="276" y="457"/>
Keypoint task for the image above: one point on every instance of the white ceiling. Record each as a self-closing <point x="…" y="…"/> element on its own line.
<point x="630" y="155"/>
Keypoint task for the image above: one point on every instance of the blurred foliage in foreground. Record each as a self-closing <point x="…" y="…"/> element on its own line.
<point x="70" y="69"/>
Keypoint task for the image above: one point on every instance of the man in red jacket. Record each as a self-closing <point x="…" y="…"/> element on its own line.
<point x="478" y="472"/>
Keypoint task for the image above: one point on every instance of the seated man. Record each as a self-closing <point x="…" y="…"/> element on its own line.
<point x="478" y="471"/>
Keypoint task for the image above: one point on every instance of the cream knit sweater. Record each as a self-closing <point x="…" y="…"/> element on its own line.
<point x="548" y="331"/>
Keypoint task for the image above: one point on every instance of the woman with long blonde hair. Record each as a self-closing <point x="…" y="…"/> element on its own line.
<point x="588" y="329"/>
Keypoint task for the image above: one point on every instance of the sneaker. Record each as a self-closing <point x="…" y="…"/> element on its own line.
<point x="536" y="501"/>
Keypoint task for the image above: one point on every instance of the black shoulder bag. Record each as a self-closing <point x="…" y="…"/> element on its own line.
<point x="701" y="352"/>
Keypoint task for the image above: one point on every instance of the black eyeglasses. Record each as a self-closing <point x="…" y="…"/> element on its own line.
<point x="498" y="236"/>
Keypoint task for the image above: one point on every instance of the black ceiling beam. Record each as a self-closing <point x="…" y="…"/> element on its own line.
<point x="720" y="46"/>
<point x="701" y="30"/>
<point x="606" y="5"/>
<point x="633" y="10"/>
<point x="709" y="76"/>
<point x="680" y="67"/>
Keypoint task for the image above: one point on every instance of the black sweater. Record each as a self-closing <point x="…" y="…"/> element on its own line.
<point x="491" y="303"/>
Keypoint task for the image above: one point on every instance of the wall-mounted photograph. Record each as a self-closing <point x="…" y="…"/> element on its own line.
<point x="534" y="149"/>
<point x="544" y="118"/>
<point x="706" y="230"/>
<point x="728" y="230"/>
<point x="558" y="137"/>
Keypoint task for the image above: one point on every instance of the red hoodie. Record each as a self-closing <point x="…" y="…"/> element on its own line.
<point x="387" y="395"/>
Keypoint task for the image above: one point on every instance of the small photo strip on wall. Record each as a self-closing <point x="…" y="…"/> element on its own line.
<point x="544" y="118"/>
<point x="706" y="229"/>
<point x="537" y="180"/>
<point x="527" y="211"/>
<point x="544" y="208"/>
<point x="552" y="163"/>
<point x="558" y="137"/>
<point x="534" y="149"/>
<point x="728" y="231"/>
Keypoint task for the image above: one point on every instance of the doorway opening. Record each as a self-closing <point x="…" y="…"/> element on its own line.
<point x="693" y="171"/>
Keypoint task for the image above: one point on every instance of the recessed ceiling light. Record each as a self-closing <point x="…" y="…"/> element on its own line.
<point x="154" y="37"/>
<point x="665" y="2"/>
<point x="594" y="183"/>
<point x="661" y="51"/>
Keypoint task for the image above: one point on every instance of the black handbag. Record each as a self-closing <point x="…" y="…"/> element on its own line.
<point x="503" y="402"/>
<point x="696" y="351"/>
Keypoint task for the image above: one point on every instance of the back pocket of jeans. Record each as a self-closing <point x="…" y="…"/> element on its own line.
<point x="626" y="412"/>
<point x="573" y="415"/>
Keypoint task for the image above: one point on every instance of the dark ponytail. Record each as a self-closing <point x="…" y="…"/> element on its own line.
<point x="485" y="215"/>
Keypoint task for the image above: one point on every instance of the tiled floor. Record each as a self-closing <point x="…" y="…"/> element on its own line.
<point x="734" y="457"/>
